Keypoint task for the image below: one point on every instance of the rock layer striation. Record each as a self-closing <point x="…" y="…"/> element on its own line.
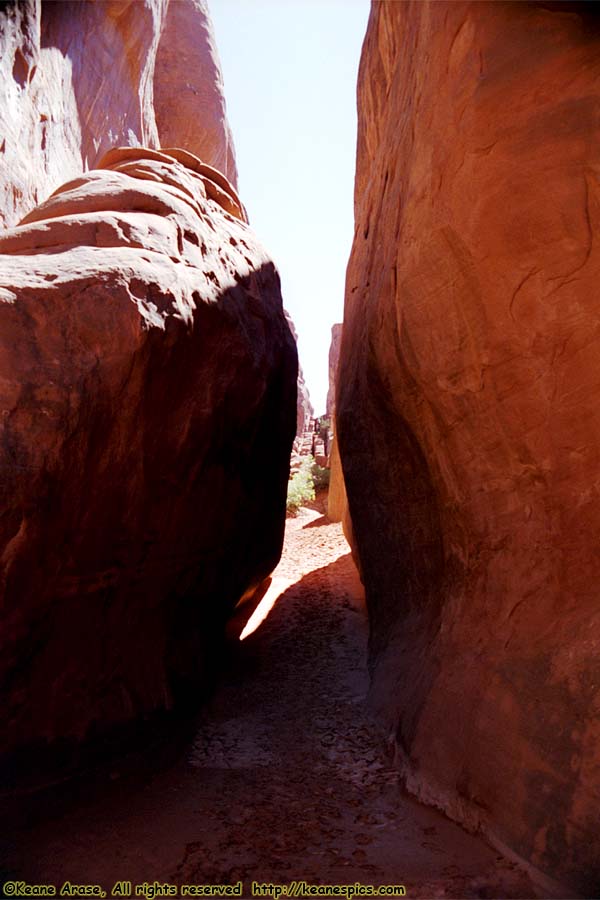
<point x="469" y="415"/>
<point x="148" y="401"/>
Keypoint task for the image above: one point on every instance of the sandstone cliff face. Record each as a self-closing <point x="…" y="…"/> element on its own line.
<point x="153" y="60"/>
<point x="337" y="504"/>
<point x="147" y="389"/>
<point x="189" y="99"/>
<point x="334" y="358"/>
<point x="470" y="350"/>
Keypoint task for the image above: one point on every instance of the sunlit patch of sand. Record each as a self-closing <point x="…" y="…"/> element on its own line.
<point x="294" y="565"/>
<point x="277" y="587"/>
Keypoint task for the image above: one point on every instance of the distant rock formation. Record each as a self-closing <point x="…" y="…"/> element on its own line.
<point x="469" y="413"/>
<point x="59" y="113"/>
<point x="305" y="411"/>
<point x="147" y="392"/>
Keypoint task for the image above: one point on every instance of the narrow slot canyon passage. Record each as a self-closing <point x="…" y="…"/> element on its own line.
<point x="286" y="777"/>
<point x="359" y="253"/>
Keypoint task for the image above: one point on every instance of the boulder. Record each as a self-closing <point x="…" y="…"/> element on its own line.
<point x="469" y="413"/>
<point x="148" y="404"/>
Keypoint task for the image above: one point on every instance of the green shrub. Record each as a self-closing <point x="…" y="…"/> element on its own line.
<point x="301" y="488"/>
<point x="320" y="476"/>
<point x="324" y="427"/>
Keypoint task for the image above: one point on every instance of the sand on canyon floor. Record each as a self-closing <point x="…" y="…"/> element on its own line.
<point x="286" y="778"/>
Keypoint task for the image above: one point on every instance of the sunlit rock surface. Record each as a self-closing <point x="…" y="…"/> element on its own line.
<point x="148" y="402"/>
<point x="79" y="78"/>
<point x="333" y="362"/>
<point x="469" y="412"/>
<point x="337" y="504"/>
<point x="189" y="99"/>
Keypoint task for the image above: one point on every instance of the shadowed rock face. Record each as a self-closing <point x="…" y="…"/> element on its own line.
<point x="469" y="415"/>
<point x="148" y="397"/>
<point x="78" y="78"/>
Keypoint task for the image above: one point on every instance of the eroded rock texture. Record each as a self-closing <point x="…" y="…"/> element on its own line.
<point x="148" y="398"/>
<point x="78" y="78"/>
<point x="469" y="413"/>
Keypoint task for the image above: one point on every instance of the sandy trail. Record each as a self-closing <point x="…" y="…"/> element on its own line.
<point x="286" y="778"/>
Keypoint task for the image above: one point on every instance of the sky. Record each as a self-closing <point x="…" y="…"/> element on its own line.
<point x="290" y="70"/>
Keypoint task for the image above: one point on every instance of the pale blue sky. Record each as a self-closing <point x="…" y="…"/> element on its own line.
<point x="290" y="69"/>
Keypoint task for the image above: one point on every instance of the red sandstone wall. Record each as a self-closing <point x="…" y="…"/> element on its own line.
<point x="148" y="399"/>
<point x="337" y="504"/>
<point x="469" y="412"/>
